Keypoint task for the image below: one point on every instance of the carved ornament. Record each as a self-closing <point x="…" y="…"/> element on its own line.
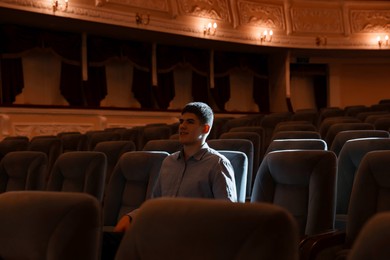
<point x="316" y="20"/>
<point x="364" y="21"/>
<point x="263" y="15"/>
<point x="217" y="10"/>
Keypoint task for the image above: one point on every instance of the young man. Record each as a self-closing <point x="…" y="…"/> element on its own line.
<point x="197" y="171"/>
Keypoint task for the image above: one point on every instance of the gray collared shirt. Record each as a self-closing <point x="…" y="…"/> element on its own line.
<point x="206" y="174"/>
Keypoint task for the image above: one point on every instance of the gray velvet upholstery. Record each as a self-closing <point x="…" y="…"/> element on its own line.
<point x="309" y="115"/>
<point x="349" y="160"/>
<point x="382" y="123"/>
<point x="302" y="181"/>
<point x="11" y="145"/>
<point x="338" y="127"/>
<point x="342" y="137"/>
<point x="296" y="144"/>
<point x="255" y="139"/>
<point x="370" y="193"/>
<point x="83" y="171"/>
<point x="73" y="141"/>
<point x="95" y="137"/>
<point x="241" y="145"/>
<point x="23" y="170"/>
<point x="373" y="240"/>
<point x="50" y="145"/>
<point x="328" y="122"/>
<point x="165" y="145"/>
<point x="295" y="126"/>
<point x="49" y="226"/>
<point x="256" y="129"/>
<point x="239" y="163"/>
<point x="269" y="123"/>
<point x="156" y="132"/>
<point x="194" y="229"/>
<point x="131" y="183"/>
<point x="296" y="135"/>
<point x="113" y="151"/>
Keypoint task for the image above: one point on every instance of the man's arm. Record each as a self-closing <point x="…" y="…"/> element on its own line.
<point x="224" y="185"/>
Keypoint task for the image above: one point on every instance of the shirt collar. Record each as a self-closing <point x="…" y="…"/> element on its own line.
<point x="198" y="155"/>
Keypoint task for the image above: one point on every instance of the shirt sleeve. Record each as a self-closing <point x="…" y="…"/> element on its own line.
<point x="224" y="185"/>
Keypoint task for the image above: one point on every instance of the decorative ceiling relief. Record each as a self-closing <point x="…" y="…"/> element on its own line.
<point x="364" y="21"/>
<point x="257" y="14"/>
<point x="217" y="9"/>
<point x="316" y="20"/>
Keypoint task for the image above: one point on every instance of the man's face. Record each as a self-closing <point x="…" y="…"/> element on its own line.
<point x="191" y="130"/>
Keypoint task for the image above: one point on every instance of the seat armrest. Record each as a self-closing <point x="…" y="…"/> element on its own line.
<point x="310" y="246"/>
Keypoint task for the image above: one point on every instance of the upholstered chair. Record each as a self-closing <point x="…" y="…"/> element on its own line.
<point x="23" y="170"/>
<point x="372" y="242"/>
<point x="165" y="145"/>
<point x="49" y="225"/>
<point x="131" y="183"/>
<point x="369" y="197"/>
<point x="239" y="162"/>
<point x="240" y="145"/>
<point x="339" y="127"/>
<point x="303" y="182"/>
<point x="342" y="137"/>
<point x="176" y="229"/>
<point x="297" y="144"/>
<point x="83" y="171"/>
<point x="113" y="151"/>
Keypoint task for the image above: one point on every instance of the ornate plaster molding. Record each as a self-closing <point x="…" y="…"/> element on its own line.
<point x="34" y="129"/>
<point x="217" y="10"/>
<point x="263" y="15"/>
<point x="316" y="20"/>
<point x="370" y="21"/>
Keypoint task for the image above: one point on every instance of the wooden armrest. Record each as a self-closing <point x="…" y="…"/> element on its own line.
<point x="310" y="246"/>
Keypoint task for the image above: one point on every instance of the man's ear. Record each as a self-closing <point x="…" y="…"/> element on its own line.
<point x="206" y="129"/>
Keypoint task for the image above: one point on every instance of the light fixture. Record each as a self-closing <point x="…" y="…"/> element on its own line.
<point x="266" y="36"/>
<point x="381" y="42"/>
<point x="142" y="19"/>
<point x="210" y="29"/>
<point x="58" y="5"/>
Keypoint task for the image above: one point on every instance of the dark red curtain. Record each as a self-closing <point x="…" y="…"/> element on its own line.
<point x="12" y="79"/>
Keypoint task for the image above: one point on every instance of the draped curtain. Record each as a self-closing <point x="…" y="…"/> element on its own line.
<point x="17" y="40"/>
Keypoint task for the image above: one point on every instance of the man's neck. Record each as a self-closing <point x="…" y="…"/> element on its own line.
<point x="191" y="149"/>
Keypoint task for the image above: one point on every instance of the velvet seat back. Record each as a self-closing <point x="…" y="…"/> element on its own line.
<point x="192" y="229"/>
<point x="302" y="181"/>
<point x="83" y="171"/>
<point x="49" y="225"/>
<point x="23" y="170"/>
<point x="131" y="183"/>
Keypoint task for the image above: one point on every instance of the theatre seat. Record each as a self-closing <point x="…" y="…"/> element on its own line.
<point x="194" y="229"/>
<point x="297" y="144"/>
<point x="49" y="225"/>
<point x="83" y="171"/>
<point x="369" y="196"/>
<point x="239" y="162"/>
<point x="240" y="145"/>
<point x="113" y="151"/>
<point x="131" y="183"/>
<point x="304" y="183"/>
<point x="373" y="240"/>
<point x="23" y="170"/>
